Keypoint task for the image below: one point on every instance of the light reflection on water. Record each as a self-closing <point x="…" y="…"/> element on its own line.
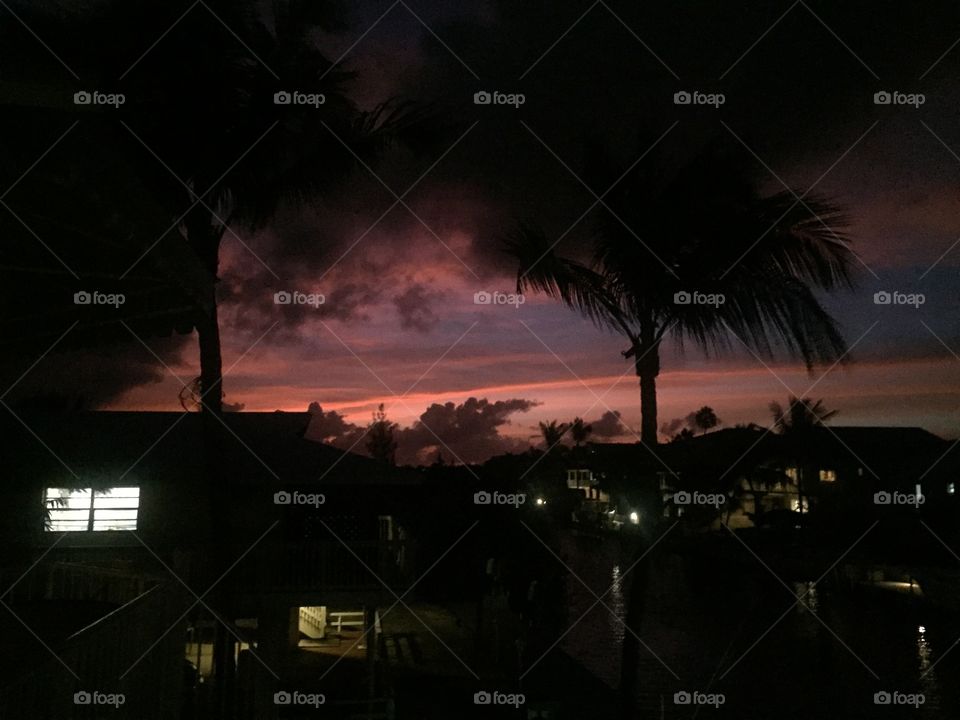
<point x="902" y="641"/>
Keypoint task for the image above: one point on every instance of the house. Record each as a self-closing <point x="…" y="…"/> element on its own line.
<point x="131" y="550"/>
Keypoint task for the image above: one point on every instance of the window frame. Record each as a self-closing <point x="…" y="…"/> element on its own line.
<point x="50" y="523"/>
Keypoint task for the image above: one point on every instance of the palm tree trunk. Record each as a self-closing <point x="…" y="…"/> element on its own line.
<point x="647" y="364"/>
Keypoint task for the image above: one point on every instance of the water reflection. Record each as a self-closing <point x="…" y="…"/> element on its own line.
<point x="929" y="685"/>
<point x="616" y="604"/>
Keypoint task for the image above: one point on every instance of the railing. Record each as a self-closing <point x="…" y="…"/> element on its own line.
<point x="75" y="581"/>
<point x="136" y="650"/>
<point x="328" y="565"/>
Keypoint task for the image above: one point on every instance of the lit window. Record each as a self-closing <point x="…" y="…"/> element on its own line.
<point x="82" y="510"/>
<point x="828" y="476"/>
<point x="791" y="472"/>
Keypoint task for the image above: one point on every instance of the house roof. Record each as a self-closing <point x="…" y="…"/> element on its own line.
<point x="256" y="448"/>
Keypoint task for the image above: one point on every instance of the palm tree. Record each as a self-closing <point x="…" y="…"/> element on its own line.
<point x="381" y="443"/>
<point x="799" y="415"/>
<point x="580" y="431"/>
<point x="553" y="433"/>
<point x="795" y="423"/>
<point x="704" y="419"/>
<point x="706" y="258"/>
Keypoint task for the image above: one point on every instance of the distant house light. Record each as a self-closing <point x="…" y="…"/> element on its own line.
<point x="86" y="509"/>
<point x="791" y="472"/>
<point x="828" y="476"/>
<point x="634" y="518"/>
<point x="951" y="488"/>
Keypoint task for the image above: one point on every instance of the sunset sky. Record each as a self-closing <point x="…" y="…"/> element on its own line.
<point x="400" y="318"/>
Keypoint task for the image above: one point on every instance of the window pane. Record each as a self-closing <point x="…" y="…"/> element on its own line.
<point x="115" y="524"/>
<point x="67" y="525"/>
<point x="113" y="509"/>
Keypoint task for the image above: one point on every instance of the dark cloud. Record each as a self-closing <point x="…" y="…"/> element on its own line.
<point x="415" y="306"/>
<point x="331" y="427"/>
<point x="468" y="431"/>
<point x="609" y="425"/>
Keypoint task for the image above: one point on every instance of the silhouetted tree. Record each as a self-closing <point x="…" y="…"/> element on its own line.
<point x="580" y="431"/>
<point x="381" y="443"/>
<point x="716" y="260"/>
<point x="553" y="433"/>
<point x="799" y="415"/>
<point x="704" y="419"/>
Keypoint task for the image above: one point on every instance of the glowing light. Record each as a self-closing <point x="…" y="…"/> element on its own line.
<point x="634" y="518"/>
<point x="922" y="629"/>
<point x="541" y="501"/>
